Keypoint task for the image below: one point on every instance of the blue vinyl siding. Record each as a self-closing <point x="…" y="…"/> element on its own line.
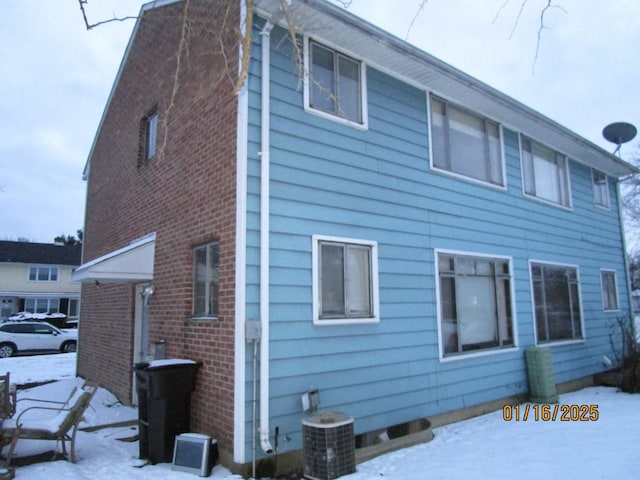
<point x="330" y="179"/>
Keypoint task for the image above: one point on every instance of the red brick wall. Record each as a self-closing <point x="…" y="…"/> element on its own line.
<point x="186" y="195"/>
<point x="106" y="316"/>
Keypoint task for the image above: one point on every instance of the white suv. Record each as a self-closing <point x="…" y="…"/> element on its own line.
<point x="35" y="337"/>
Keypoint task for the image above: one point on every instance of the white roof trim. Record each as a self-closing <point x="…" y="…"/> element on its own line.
<point x="129" y="264"/>
<point x="24" y="294"/>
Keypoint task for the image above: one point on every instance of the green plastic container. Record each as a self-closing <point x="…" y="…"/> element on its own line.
<point x="542" y="384"/>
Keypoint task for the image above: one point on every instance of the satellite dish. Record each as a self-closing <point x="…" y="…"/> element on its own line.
<point x="619" y="133"/>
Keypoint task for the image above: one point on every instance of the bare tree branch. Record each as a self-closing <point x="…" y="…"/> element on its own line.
<point x="293" y="35"/>
<point x="495" y="19"/>
<point x="183" y="46"/>
<point x="415" y="17"/>
<point x="515" y="24"/>
<point x="542" y="27"/>
<point x="93" y="25"/>
<point x="246" y="40"/>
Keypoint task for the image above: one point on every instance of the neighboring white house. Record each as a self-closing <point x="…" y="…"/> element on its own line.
<point x="36" y="277"/>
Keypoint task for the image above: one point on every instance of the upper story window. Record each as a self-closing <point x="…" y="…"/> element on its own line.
<point x="345" y="281"/>
<point x="556" y="296"/>
<point x="465" y="144"/>
<point x="545" y="173"/>
<point x="335" y="84"/>
<point x="609" y="289"/>
<point x="600" y="188"/>
<point x="475" y="303"/>
<point x="206" y="271"/>
<point x="148" y="136"/>
<point x="43" y="274"/>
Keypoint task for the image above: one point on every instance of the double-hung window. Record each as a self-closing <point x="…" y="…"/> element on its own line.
<point x="545" y="173"/>
<point x="43" y="274"/>
<point x="334" y="84"/>
<point x="556" y="296"/>
<point x="600" y="188"/>
<point x="345" y="281"/>
<point x="206" y="271"/>
<point x="609" y="289"/>
<point x="475" y="303"/>
<point x="464" y="143"/>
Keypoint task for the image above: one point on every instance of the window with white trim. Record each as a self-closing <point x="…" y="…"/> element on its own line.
<point x="43" y="274"/>
<point x="334" y="84"/>
<point x="345" y="280"/>
<point x="465" y="144"/>
<point x="609" y="290"/>
<point x="475" y="303"/>
<point x="545" y="173"/>
<point x="206" y="271"/>
<point x="600" y="188"/>
<point x="556" y="296"/>
<point x="42" y="305"/>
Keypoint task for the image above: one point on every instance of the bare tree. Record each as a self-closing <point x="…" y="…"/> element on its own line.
<point x="217" y="28"/>
<point x="544" y="12"/>
<point x="89" y="25"/>
<point x="631" y="197"/>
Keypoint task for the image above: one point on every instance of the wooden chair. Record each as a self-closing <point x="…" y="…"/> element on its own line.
<point x="7" y="397"/>
<point x="61" y="426"/>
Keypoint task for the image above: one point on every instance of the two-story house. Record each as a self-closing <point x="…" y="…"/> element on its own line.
<point x="36" y="278"/>
<point x="379" y="225"/>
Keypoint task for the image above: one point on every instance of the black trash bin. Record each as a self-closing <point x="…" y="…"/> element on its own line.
<point x="164" y="405"/>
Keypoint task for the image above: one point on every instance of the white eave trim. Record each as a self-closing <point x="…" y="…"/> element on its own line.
<point x="24" y="294"/>
<point x="133" y="263"/>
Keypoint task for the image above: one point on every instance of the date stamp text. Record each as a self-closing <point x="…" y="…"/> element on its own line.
<point x="550" y="413"/>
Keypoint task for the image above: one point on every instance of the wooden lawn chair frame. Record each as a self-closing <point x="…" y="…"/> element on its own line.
<point x="61" y="426"/>
<point x="7" y="397"/>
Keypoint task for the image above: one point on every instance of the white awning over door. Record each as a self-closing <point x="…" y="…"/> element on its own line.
<point x="133" y="263"/>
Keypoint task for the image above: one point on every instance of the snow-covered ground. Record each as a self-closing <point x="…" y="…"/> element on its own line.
<point x="486" y="447"/>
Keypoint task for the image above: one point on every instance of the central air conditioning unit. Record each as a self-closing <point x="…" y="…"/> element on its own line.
<point x="328" y="446"/>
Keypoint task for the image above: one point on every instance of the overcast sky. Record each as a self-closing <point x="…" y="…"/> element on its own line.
<point x="56" y="78"/>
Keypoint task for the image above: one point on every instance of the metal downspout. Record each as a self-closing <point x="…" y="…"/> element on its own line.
<point x="264" y="239"/>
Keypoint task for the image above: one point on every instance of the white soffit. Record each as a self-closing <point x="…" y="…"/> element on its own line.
<point x="133" y="263"/>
